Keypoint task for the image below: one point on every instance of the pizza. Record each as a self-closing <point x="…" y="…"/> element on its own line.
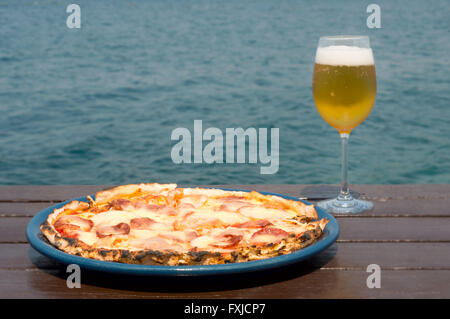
<point x="162" y="224"/>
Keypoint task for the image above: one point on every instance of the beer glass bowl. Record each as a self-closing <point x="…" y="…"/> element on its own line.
<point x="344" y="90"/>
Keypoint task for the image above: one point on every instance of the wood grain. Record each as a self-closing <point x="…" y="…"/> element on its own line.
<point x="12" y="229"/>
<point x="288" y="283"/>
<point x="47" y="192"/>
<point x="19" y="209"/>
<point x="395" y="229"/>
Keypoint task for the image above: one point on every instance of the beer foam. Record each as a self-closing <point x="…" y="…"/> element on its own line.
<point x="344" y="55"/>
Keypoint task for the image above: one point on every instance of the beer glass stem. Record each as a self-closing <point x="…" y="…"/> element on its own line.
<point x="345" y="193"/>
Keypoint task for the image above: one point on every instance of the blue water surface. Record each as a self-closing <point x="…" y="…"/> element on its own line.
<point x="97" y="105"/>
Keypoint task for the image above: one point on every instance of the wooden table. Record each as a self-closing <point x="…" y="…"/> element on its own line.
<point x="407" y="234"/>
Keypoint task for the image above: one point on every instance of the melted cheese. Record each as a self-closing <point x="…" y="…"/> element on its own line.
<point x="266" y="213"/>
<point x="202" y="242"/>
<point x="112" y="217"/>
<point x="224" y="216"/>
<point x="88" y="238"/>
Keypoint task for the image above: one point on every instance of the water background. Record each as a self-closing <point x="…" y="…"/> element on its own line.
<point x="97" y="105"/>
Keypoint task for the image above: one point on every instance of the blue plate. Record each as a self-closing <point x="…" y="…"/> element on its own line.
<point x="39" y="243"/>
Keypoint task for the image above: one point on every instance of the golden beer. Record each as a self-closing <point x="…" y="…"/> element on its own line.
<point x="344" y="90"/>
<point x="344" y="94"/>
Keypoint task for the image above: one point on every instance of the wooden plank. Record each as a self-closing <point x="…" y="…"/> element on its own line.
<point x="404" y="191"/>
<point x="9" y="209"/>
<point x="379" y="192"/>
<point x="395" y="229"/>
<point x="418" y="202"/>
<point x="64" y="192"/>
<point x="373" y="192"/>
<point x="338" y="256"/>
<point x="389" y="208"/>
<point x="12" y="229"/>
<point x="355" y="228"/>
<point x="387" y="255"/>
<point x="23" y="256"/>
<point x="47" y="192"/>
<point x="406" y="208"/>
<point x="281" y="283"/>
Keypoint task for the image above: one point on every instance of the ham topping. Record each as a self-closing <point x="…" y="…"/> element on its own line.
<point x="119" y="229"/>
<point x="268" y="235"/>
<point x="194" y="200"/>
<point x="228" y="239"/>
<point x="259" y="223"/>
<point x="68" y="230"/>
<point x="180" y="236"/>
<point x="231" y="204"/>
<point x="168" y="211"/>
<point x="81" y="223"/>
<point x="119" y="204"/>
<point x="141" y="223"/>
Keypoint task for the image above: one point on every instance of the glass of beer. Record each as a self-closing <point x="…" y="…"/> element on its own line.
<point x="344" y="90"/>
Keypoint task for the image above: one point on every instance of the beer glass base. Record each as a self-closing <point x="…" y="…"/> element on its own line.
<point x="338" y="206"/>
